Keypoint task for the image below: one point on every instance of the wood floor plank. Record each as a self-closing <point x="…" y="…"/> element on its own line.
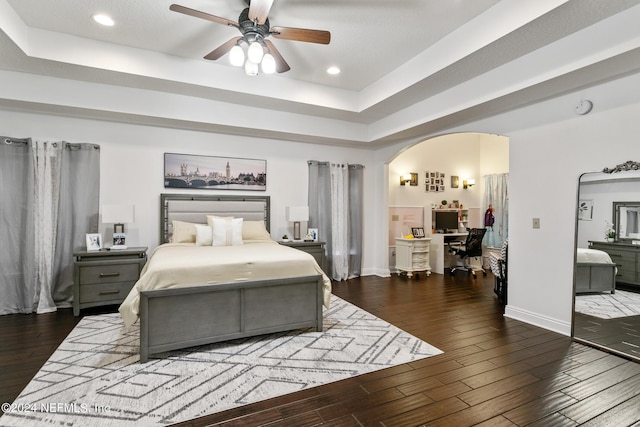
<point x="539" y="408"/>
<point x="619" y="415"/>
<point x="425" y="414"/>
<point x="495" y="371"/>
<point x="603" y="401"/>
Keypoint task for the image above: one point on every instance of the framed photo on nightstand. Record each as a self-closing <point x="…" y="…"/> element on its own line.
<point x="418" y="232"/>
<point x="94" y="241"/>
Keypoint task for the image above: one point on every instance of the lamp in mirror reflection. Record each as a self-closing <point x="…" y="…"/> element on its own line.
<point x="411" y="178"/>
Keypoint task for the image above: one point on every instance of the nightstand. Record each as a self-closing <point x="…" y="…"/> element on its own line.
<point x="105" y="277"/>
<point x="412" y="256"/>
<point x="314" y="248"/>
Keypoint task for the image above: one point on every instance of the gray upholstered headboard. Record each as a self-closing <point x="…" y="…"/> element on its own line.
<point x="188" y="208"/>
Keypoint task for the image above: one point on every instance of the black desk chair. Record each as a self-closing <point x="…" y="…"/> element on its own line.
<point x="471" y="248"/>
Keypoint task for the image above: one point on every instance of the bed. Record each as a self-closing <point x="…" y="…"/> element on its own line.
<point x="190" y="293"/>
<point x="595" y="271"/>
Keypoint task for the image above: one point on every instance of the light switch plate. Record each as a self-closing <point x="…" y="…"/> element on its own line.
<point x="536" y="222"/>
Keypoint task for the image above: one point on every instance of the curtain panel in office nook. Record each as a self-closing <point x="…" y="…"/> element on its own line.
<point x="48" y="201"/>
<point x="496" y="196"/>
<point x="335" y="209"/>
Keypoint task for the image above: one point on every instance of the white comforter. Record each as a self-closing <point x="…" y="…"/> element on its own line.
<point x="184" y="264"/>
<point x="593" y="256"/>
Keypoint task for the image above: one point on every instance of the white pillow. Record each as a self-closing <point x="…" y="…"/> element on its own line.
<point x="204" y="235"/>
<point x="226" y="231"/>
<point x="210" y="219"/>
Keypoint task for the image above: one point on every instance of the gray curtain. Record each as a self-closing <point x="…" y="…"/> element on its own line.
<point x="327" y="208"/>
<point x="48" y="201"/>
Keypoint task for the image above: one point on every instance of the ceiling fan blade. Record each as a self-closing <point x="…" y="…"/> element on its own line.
<point x="259" y="9"/>
<point x="281" y="64"/>
<point x="203" y="15"/>
<point x="301" y="35"/>
<point x="222" y="49"/>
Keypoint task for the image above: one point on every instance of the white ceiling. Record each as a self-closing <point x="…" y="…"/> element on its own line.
<point x="409" y="68"/>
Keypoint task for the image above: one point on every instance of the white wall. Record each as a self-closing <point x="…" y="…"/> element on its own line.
<point x="131" y="167"/>
<point x="466" y="155"/>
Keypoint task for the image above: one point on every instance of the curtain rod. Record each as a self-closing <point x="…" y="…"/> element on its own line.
<point x="67" y="145"/>
<point x="349" y="165"/>
<point x="16" y="140"/>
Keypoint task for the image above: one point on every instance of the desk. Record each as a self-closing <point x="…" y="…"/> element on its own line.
<point x="439" y="256"/>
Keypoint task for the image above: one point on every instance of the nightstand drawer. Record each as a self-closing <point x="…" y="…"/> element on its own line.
<point x="420" y="256"/>
<point x="105" y="292"/>
<point x="92" y="274"/>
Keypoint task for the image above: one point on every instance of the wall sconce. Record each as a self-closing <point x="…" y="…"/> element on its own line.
<point x="468" y="183"/>
<point x="411" y="178"/>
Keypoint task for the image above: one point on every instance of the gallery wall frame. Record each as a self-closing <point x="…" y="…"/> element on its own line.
<point x="199" y="172"/>
<point x="434" y="181"/>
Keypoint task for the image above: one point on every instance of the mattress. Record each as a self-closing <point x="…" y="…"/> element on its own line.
<point x="185" y="264"/>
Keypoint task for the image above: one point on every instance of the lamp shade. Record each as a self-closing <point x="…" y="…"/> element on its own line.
<point x="117" y="214"/>
<point x="297" y="213"/>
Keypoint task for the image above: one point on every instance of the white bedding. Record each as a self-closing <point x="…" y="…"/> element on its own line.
<point x="593" y="256"/>
<point x="185" y="264"/>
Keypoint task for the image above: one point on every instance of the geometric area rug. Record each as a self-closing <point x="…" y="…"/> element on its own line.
<point x="608" y="306"/>
<point x="95" y="379"/>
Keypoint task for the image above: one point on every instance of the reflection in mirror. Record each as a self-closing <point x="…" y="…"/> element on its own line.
<point x="607" y="269"/>
<point x="626" y="215"/>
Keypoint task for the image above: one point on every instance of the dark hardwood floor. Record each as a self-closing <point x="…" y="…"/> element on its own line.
<point x="621" y="334"/>
<point x="494" y="371"/>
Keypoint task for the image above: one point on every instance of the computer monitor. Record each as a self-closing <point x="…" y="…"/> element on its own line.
<point x="446" y="220"/>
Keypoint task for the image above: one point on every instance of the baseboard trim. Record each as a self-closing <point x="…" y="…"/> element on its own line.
<point x="535" y="319"/>
<point x="381" y="272"/>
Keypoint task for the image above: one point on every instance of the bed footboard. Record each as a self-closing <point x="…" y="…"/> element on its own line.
<point x="595" y="277"/>
<point x="177" y="318"/>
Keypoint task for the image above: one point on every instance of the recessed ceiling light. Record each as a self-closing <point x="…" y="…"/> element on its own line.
<point x="103" y="20"/>
<point x="333" y="70"/>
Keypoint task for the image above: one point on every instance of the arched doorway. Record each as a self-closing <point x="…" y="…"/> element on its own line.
<point x="465" y="156"/>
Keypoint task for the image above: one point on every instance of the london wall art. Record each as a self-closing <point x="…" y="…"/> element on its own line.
<point x="196" y="172"/>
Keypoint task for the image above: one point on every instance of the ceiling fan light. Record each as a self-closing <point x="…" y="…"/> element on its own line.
<point x="268" y="64"/>
<point x="236" y="56"/>
<point x="251" y="68"/>
<point x="255" y="52"/>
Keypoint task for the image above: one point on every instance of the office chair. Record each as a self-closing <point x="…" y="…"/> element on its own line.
<point x="471" y="248"/>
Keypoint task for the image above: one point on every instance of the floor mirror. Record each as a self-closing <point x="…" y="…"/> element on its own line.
<point x="606" y="306"/>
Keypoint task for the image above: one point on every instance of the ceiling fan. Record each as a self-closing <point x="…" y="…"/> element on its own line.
<point x="253" y="24"/>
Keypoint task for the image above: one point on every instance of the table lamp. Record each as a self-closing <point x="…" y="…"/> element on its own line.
<point x="296" y="214"/>
<point x="118" y="215"/>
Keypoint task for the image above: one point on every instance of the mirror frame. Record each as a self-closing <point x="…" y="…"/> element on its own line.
<point x="629" y="166"/>
<point x="616" y="220"/>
